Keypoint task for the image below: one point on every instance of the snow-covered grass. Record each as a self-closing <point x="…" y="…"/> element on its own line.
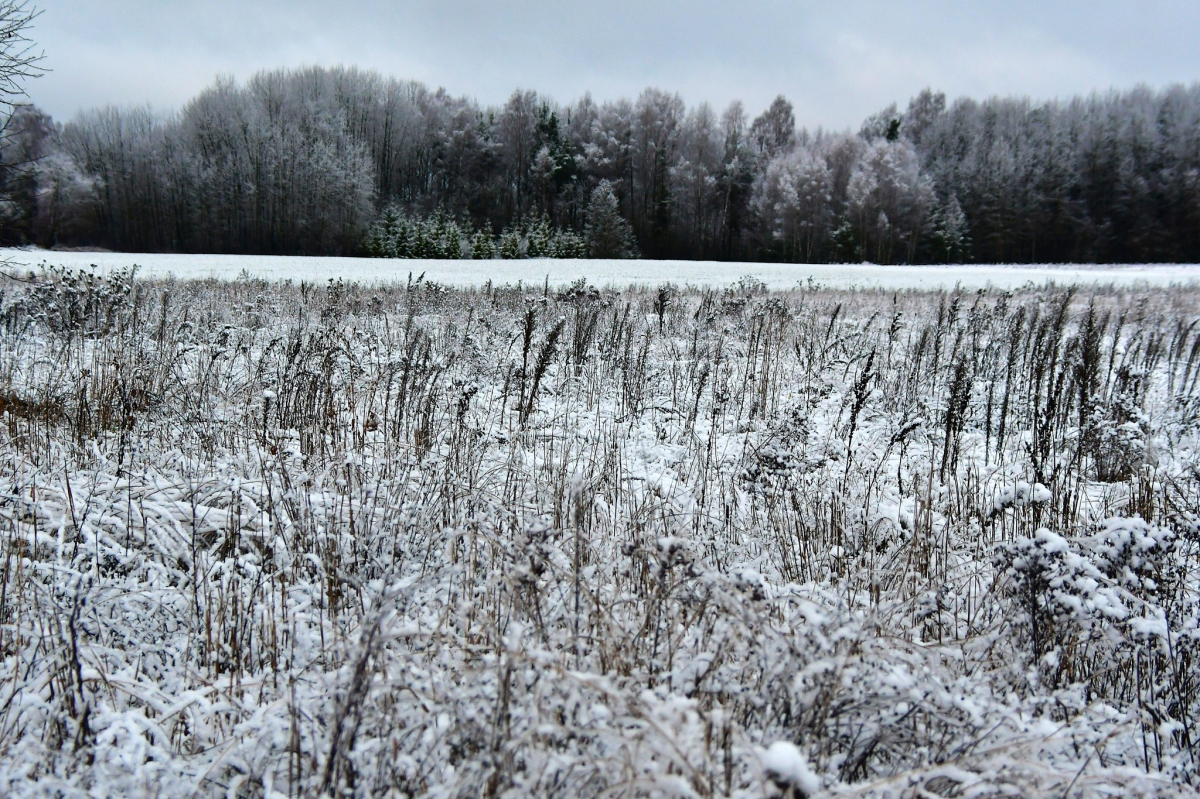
<point x="409" y="540"/>
<point x="618" y="274"/>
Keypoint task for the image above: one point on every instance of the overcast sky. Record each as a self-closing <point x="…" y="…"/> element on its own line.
<point x="836" y="61"/>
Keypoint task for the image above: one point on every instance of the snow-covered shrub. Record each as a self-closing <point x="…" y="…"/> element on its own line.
<point x="1110" y="612"/>
<point x="1019" y="495"/>
<point x="1063" y="594"/>
<point x="79" y="302"/>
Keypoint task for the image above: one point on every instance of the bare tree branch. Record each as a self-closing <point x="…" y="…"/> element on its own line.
<point x="19" y="60"/>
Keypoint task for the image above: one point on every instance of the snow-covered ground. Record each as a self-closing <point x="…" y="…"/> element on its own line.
<point x="266" y="540"/>
<point x="608" y="273"/>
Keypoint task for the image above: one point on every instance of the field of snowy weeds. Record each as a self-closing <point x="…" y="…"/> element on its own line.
<point x="266" y="539"/>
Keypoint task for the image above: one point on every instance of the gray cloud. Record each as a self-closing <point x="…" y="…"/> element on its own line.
<point x="836" y="63"/>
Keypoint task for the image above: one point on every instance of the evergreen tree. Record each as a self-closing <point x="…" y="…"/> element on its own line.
<point x="483" y="246"/>
<point x="510" y="244"/>
<point x="385" y="237"/>
<point x="608" y="233"/>
<point x="569" y="244"/>
<point x="539" y="239"/>
<point x="949" y="236"/>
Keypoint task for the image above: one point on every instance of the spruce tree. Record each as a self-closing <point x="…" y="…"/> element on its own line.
<point x="950" y="238"/>
<point x="539" y="239"/>
<point x="510" y="244"/>
<point x="483" y="246"/>
<point x="608" y="233"/>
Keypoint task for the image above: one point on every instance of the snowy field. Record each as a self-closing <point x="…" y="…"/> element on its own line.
<point x="331" y="539"/>
<point x="618" y="274"/>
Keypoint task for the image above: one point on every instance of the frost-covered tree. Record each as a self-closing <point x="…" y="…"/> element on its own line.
<point x="510" y="244"/>
<point x="28" y="138"/>
<point x="886" y="124"/>
<point x="482" y="246"/>
<point x="922" y="112"/>
<point x="305" y="160"/>
<point x="794" y="199"/>
<point x="516" y="137"/>
<point x="949" y="236"/>
<point x="23" y="131"/>
<point x="539" y="239"/>
<point x="608" y="233"/>
<point x="888" y="201"/>
<point x="694" y="181"/>
<point x="735" y="181"/>
<point x="657" y="131"/>
<point x="774" y="131"/>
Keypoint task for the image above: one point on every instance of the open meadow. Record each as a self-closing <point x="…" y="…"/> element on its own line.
<point x="617" y="273"/>
<point x="267" y="539"/>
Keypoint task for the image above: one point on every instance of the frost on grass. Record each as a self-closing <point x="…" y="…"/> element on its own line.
<point x="276" y="540"/>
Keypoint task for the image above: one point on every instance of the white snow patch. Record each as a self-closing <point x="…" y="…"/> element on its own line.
<point x="787" y="765"/>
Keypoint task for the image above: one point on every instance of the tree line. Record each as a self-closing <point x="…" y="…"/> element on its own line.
<point x="345" y="161"/>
